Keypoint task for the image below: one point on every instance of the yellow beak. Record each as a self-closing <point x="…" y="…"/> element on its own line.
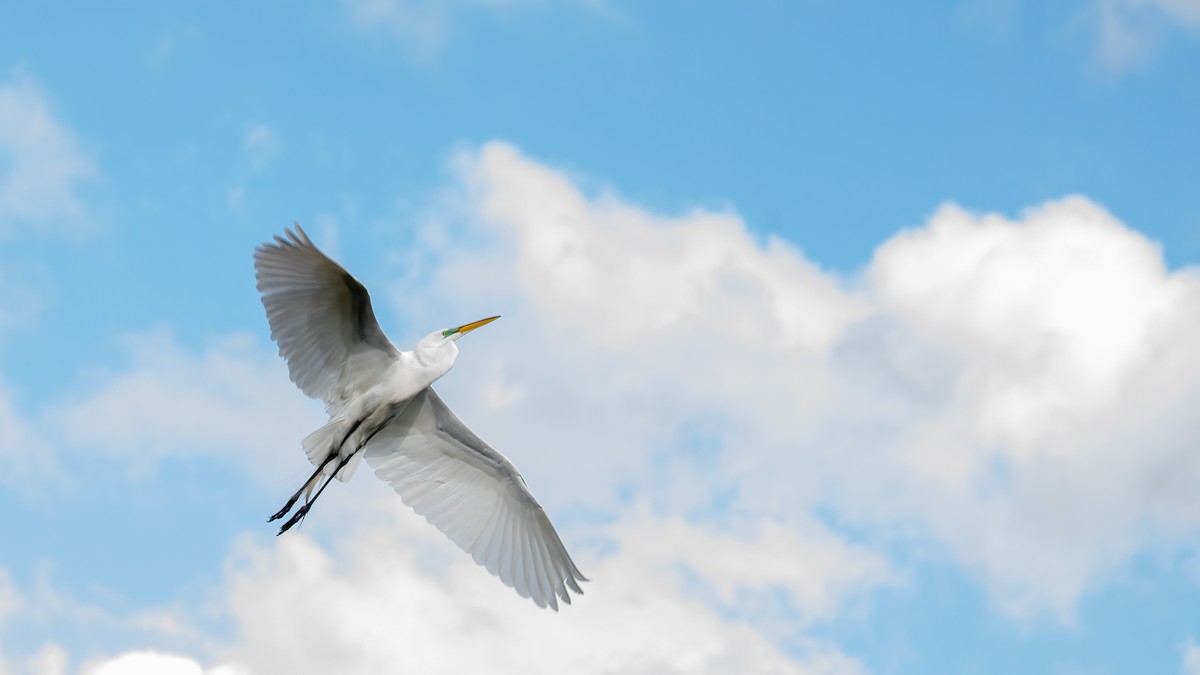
<point x="462" y="330"/>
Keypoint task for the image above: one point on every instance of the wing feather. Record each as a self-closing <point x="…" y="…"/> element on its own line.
<point x="322" y="319"/>
<point x="476" y="497"/>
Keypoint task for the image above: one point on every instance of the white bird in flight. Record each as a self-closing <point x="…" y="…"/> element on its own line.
<point x="381" y="407"/>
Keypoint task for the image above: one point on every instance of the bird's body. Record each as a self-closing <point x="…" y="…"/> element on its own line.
<point x="360" y="415"/>
<point x="382" y="408"/>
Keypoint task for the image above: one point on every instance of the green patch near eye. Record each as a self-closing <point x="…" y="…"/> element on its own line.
<point x="448" y="332"/>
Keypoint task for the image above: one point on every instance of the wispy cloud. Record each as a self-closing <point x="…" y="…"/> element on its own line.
<point x="424" y="28"/>
<point x="162" y="52"/>
<point x="1129" y="32"/>
<point x="420" y="26"/>
<point x="41" y="164"/>
<point x="1191" y="659"/>
<point x="1122" y="35"/>
<point x="227" y="403"/>
<point x="29" y="464"/>
<point x="261" y="146"/>
<point x="24" y="289"/>
<point x="41" y="172"/>
<point x="992" y="17"/>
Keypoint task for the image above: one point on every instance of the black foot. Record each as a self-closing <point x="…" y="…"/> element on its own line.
<point x="286" y="507"/>
<point x="296" y="517"/>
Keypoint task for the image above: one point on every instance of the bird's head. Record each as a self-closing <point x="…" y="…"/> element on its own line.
<point x="438" y="347"/>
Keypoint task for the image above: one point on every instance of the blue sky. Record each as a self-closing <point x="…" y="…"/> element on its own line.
<point x="836" y="339"/>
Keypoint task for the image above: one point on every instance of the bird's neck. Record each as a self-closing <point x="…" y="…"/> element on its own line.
<point x="428" y="365"/>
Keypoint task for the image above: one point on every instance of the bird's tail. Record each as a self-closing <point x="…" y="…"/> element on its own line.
<point x="325" y="440"/>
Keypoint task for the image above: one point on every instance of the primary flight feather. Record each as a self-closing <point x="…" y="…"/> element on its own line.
<point x="382" y="408"/>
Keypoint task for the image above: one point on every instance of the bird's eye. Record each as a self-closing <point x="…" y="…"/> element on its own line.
<point x="448" y="332"/>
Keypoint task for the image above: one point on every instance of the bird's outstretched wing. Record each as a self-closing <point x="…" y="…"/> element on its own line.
<point x="476" y="497"/>
<point x="321" y="317"/>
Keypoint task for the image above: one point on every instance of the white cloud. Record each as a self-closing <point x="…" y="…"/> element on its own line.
<point x="51" y="659"/>
<point x="1017" y="391"/>
<point x="1052" y="314"/>
<point x="626" y="337"/>
<point x="1191" y="659"/>
<point x="155" y="663"/>
<point x="41" y="169"/>
<point x="41" y="165"/>
<point x="648" y="275"/>
<point x="10" y="598"/>
<point x="1065" y="445"/>
<point x="301" y="608"/>
<point x="29" y="465"/>
<point x="745" y="569"/>
<point x="233" y="402"/>
<point x="44" y="607"/>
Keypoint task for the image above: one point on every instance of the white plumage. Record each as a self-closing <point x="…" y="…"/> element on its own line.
<point x="381" y="407"/>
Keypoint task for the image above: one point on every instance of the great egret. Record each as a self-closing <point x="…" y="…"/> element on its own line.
<point x="381" y="407"/>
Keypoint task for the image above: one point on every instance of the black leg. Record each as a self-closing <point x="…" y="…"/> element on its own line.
<point x="303" y="510"/>
<point x="292" y="500"/>
<point x="333" y="452"/>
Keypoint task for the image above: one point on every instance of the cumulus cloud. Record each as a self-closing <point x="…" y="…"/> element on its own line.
<point x="1015" y="394"/>
<point x="41" y="164"/>
<point x="628" y="336"/>
<point x="745" y="571"/>
<point x="154" y="663"/>
<point x="303" y="608"/>
<point x="299" y="606"/>
<point x="1015" y="390"/>
<point x="1058" y="454"/>
<point x="722" y="584"/>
